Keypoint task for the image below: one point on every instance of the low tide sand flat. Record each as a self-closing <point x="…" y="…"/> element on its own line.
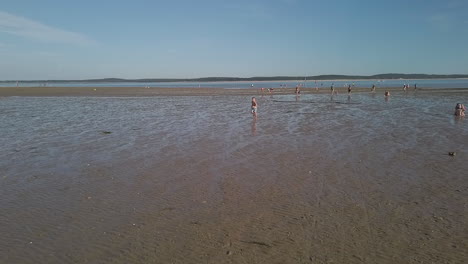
<point x="158" y="91"/>
<point x="119" y="175"/>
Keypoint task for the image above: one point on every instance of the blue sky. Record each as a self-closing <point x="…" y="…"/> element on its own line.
<point x="56" y="39"/>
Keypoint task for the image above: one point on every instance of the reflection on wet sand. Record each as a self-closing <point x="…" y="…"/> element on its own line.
<point x="254" y="126"/>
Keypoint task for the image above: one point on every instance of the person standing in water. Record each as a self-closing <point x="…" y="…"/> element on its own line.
<point x="254" y="107"/>
<point x="460" y="110"/>
<point x="298" y="91"/>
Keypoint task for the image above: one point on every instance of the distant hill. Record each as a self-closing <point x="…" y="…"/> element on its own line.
<point x="385" y="76"/>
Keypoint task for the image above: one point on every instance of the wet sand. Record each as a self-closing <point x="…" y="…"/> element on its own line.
<point x="157" y="91"/>
<point x="196" y="179"/>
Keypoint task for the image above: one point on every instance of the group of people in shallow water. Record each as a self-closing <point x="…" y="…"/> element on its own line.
<point x="459" y="108"/>
<point x="406" y="86"/>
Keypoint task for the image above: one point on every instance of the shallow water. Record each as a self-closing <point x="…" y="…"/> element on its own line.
<point x="423" y="83"/>
<point x="198" y="179"/>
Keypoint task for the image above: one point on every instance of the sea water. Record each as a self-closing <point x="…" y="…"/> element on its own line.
<point x="425" y="83"/>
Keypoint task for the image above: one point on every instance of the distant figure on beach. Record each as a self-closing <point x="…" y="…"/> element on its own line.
<point x="254" y="107"/>
<point x="404" y="87"/>
<point x="373" y="88"/>
<point x="349" y="88"/>
<point x="332" y="88"/>
<point x="298" y="91"/>
<point x="415" y="87"/>
<point x="460" y="110"/>
<point x="387" y="93"/>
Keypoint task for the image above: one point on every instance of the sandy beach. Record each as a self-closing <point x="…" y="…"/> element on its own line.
<point x="158" y="91"/>
<point x="179" y="175"/>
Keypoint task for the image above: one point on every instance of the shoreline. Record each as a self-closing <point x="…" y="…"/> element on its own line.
<point x="240" y="81"/>
<point x="159" y="91"/>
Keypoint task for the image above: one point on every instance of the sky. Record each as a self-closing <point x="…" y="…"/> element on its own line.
<point x="58" y="39"/>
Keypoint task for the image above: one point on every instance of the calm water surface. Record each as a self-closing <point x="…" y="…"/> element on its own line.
<point x="442" y="83"/>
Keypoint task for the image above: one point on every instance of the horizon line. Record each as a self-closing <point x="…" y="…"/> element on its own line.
<point x="254" y="78"/>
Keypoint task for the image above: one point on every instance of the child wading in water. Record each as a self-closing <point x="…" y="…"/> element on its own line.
<point x="254" y="107"/>
<point x="460" y="110"/>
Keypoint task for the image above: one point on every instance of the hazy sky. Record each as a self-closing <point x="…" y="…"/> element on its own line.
<point x="57" y="39"/>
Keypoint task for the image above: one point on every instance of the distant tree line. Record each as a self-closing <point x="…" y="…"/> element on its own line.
<point x="271" y="78"/>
